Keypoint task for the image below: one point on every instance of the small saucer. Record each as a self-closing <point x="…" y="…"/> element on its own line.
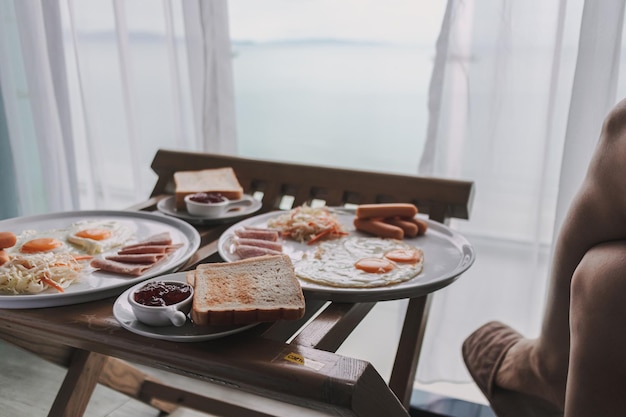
<point x="168" y="206"/>
<point x="189" y="332"/>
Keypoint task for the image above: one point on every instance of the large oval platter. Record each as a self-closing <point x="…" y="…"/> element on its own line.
<point x="447" y="254"/>
<point x="98" y="285"/>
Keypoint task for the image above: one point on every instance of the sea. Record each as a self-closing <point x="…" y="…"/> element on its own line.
<point x="354" y="105"/>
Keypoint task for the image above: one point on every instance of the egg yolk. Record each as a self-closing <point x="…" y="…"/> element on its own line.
<point x="94" y="234"/>
<point x="374" y="265"/>
<point x="43" y="244"/>
<point x="403" y="255"/>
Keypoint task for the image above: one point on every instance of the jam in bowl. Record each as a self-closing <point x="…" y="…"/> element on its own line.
<point x="212" y="205"/>
<point x="161" y="302"/>
<point x="208" y="198"/>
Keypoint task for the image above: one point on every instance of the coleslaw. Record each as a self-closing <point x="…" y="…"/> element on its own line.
<point x="308" y="224"/>
<point x="36" y="273"/>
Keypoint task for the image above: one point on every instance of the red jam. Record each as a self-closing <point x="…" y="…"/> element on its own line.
<point x="158" y="293"/>
<point x="208" y="198"/>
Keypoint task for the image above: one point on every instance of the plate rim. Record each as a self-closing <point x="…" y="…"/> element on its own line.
<point x="197" y="220"/>
<point x="409" y="289"/>
<point x="43" y="300"/>
<point x="122" y="301"/>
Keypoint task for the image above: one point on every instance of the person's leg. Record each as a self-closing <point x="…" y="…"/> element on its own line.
<point x="597" y="372"/>
<point x="597" y="214"/>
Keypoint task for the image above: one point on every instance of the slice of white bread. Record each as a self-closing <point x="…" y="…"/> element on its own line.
<point x="259" y="289"/>
<point x="217" y="180"/>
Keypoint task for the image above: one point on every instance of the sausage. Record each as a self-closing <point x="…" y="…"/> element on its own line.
<point x="421" y="225"/>
<point x="7" y="239"/>
<point x="409" y="228"/>
<point x="378" y="228"/>
<point x="368" y="211"/>
<point x="4" y="257"/>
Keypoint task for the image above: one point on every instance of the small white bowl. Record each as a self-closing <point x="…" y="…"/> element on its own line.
<point x="212" y="209"/>
<point x="165" y="315"/>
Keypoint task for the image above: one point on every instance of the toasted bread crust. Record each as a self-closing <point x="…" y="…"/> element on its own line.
<point x="252" y="290"/>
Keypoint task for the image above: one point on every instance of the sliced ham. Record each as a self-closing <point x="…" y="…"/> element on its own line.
<point x="160" y="239"/>
<point x="277" y="246"/>
<point x="120" y="267"/>
<point x="247" y="251"/>
<point x="148" y="249"/>
<point x="137" y="258"/>
<point x="262" y="234"/>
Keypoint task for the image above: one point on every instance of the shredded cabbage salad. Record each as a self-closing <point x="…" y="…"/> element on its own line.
<point x="37" y="272"/>
<point x="308" y="224"/>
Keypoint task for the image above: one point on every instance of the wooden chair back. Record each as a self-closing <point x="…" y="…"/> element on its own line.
<point x="282" y="185"/>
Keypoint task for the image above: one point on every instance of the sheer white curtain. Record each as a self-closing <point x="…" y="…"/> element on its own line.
<point x="36" y="108"/>
<point x="517" y="98"/>
<point x="92" y="89"/>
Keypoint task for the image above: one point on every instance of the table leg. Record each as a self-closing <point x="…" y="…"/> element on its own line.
<point x="125" y="378"/>
<point x="409" y="347"/>
<point x="78" y="385"/>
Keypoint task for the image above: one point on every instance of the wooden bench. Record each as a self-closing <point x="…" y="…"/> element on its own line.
<point x="283" y="185"/>
<point x="87" y="340"/>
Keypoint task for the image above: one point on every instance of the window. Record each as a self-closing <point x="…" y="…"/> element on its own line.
<point x="335" y="83"/>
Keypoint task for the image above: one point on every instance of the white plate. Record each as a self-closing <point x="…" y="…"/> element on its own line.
<point x="168" y="206"/>
<point x="188" y="332"/>
<point x="98" y="285"/>
<point x="447" y="254"/>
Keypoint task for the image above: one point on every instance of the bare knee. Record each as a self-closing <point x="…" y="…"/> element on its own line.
<point x="597" y="371"/>
<point x="615" y="122"/>
<point x="598" y="287"/>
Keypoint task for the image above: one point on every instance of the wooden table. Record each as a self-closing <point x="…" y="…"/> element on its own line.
<point x="292" y="362"/>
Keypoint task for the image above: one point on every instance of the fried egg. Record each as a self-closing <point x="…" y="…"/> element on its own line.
<point x="97" y="236"/>
<point x="32" y="242"/>
<point x="360" y="262"/>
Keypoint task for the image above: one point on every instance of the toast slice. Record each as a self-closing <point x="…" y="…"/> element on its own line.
<point x="259" y="289"/>
<point x="217" y="180"/>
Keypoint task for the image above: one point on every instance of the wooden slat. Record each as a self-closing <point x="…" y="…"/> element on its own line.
<point x="409" y="348"/>
<point x="331" y="327"/>
<point x="198" y="402"/>
<point x="425" y="192"/>
<point x="284" y="330"/>
<point x="78" y="385"/>
<point x="127" y="379"/>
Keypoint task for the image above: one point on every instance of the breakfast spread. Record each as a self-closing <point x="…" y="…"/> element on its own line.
<point x="251" y="290"/>
<point x="325" y="251"/>
<point x="34" y="261"/>
<point x="217" y="180"/>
